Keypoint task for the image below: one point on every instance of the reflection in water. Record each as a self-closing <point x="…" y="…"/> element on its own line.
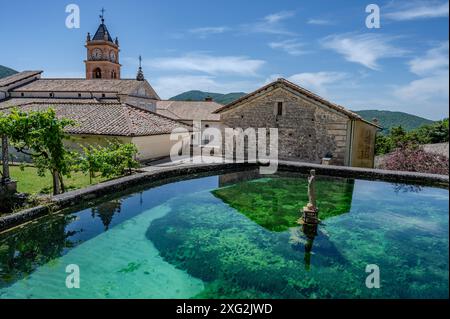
<point x="241" y="240"/>
<point x="24" y="251"/>
<point x="275" y="202"/>
<point x="236" y="177"/>
<point x="310" y="231"/>
<point x="106" y="211"/>
<point x="405" y="188"/>
<point x="302" y="239"/>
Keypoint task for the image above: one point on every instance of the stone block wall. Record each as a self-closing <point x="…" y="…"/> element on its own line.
<point x="306" y="131"/>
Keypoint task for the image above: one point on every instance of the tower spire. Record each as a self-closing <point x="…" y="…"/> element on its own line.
<point x="102" y="16"/>
<point x="140" y="74"/>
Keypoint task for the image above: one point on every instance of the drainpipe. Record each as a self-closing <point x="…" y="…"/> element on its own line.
<point x="5" y="160"/>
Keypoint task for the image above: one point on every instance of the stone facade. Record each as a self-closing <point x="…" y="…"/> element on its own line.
<point x="306" y="131"/>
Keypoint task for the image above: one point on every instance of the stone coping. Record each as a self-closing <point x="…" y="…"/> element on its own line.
<point x="169" y="174"/>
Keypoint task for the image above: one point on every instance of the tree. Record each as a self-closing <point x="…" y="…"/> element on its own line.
<point x="437" y="132"/>
<point x="5" y="160"/>
<point x="40" y="135"/>
<point x="383" y="144"/>
<point x="115" y="159"/>
<point x="415" y="159"/>
<point x="433" y="133"/>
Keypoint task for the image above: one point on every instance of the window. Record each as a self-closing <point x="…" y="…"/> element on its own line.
<point x="79" y="94"/>
<point x="279" y="108"/>
<point x="103" y="95"/>
<point x="51" y="94"/>
<point x="22" y="94"/>
<point x="206" y="125"/>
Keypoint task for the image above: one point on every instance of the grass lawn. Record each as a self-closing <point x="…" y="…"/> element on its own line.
<point x="29" y="182"/>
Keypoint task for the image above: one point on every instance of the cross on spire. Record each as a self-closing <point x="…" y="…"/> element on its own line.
<point x="140" y="74"/>
<point x="102" y="16"/>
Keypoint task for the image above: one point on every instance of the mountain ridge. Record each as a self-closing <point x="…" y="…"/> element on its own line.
<point x="197" y="95"/>
<point x="387" y="119"/>
<point x="5" y="71"/>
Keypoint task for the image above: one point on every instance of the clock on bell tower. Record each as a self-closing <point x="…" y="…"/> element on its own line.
<point x="102" y="60"/>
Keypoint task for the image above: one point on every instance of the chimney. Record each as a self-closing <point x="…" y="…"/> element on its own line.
<point x="208" y="99"/>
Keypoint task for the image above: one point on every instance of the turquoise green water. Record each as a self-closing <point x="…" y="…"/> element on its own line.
<point x="235" y="236"/>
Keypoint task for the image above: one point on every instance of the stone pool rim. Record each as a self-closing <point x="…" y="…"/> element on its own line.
<point x="154" y="174"/>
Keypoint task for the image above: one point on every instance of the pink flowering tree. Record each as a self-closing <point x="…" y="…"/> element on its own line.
<point x="414" y="159"/>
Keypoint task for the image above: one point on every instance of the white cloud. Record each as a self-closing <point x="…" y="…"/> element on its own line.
<point x="169" y="86"/>
<point x="270" y="24"/>
<point x="434" y="60"/>
<point x="277" y="17"/>
<point x="318" y="81"/>
<point x="365" y="49"/>
<point x="319" y="22"/>
<point x="239" y="65"/>
<point x="433" y="67"/>
<point x="426" y="89"/>
<point x="292" y="46"/>
<point x="204" y="32"/>
<point x="418" y="10"/>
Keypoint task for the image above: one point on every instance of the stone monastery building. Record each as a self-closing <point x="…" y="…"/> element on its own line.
<point x="106" y="106"/>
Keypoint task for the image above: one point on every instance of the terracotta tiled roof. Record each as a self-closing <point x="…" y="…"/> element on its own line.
<point x="17" y="101"/>
<point x="283" y="82"/>
<point x="113" y="119"/>
<point x="17" y="77"/>
<point x="189" y="110"/>
<point x="124" y="86"/>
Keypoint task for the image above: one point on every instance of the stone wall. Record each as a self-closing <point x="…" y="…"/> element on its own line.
<point x="439" y="148"/>
<point x="307" y="131"/>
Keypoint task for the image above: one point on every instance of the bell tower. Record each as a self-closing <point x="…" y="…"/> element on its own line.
<point x="102" y="60"/>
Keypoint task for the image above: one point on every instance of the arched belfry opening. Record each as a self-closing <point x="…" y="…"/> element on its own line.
<point x="97" y="74"/>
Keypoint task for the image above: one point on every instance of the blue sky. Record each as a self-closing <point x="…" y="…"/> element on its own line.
<point x="229" y="45"/>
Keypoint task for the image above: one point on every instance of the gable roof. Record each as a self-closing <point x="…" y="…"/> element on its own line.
<point x="114" y="119"/>
<point x="122" y="86"/>
<point x="285" y="83"/>
<point x="6" y="81"/>
<point x="189" y="110"/>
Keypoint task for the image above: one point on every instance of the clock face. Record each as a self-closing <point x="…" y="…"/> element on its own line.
<point x="97" y="54"/>
<point x="112" y="56"/>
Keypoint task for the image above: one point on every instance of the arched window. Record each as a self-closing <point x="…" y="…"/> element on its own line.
<point x="113" y="74"/>
<point x="97" y="73"/>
